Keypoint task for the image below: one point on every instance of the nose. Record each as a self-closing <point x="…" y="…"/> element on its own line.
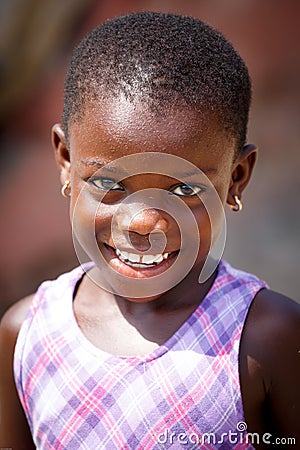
<point x="141" y="224"/>
<point x="148" y="221"/>
<point x="136" y="225"/>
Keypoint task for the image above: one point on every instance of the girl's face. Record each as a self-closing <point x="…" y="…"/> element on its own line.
<point x="118" y="210"/>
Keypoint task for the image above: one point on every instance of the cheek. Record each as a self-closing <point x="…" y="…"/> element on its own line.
<point x="204" y="225"/>
<point x="210" y="217"/>
<point x="91" y="221"/>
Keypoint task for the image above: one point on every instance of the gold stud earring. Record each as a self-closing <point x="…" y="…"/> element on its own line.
<point x="65" y="187"/>
<point x="238" y="204"/>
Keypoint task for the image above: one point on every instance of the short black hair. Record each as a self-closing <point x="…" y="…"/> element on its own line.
<point x="160" y="58"/>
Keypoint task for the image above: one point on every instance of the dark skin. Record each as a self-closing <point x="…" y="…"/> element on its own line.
<point x="269" y="352"/>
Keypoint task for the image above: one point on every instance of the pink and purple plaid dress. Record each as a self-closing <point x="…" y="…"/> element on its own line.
<point x="184" y="395"/>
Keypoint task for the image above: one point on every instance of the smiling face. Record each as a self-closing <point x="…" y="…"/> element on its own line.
<point x="129" y="178"/>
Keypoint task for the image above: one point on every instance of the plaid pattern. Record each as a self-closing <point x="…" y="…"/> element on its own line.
<point x="77" y="396"/>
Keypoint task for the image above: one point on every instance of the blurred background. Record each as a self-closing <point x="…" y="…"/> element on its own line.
<point x="36" y="40"/>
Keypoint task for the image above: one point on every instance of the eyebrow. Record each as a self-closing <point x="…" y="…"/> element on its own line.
<point x="197" y="171"/>
<point x="92" y="162"/>
<point x="95" y="162"/>
<point x="98" y="164"/>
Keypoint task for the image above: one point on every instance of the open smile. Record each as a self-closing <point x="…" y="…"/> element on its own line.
<point x="133" y="264"/>
<point x="141" y="261"/>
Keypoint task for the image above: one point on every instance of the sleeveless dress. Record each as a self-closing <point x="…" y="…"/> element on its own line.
<point x="183" y="395"/>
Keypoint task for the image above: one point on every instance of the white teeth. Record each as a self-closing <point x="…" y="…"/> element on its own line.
<point x="139" y="260"/>
<point x="148" y="259"/>
<point x="158" y="258"/>
<point x="133" y="257"/>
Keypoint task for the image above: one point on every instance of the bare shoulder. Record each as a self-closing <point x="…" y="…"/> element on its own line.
<point x="12" y="414"/>
<point x="271" y="334"/>
<point x="274" y="318"/>
<point x="275" y="303"/>
<point x="270" y="365"/>
<point x="13" y="318"/>
<point x="9" y="329"/>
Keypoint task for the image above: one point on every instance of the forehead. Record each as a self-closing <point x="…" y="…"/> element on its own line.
<point x="117" y="127"/>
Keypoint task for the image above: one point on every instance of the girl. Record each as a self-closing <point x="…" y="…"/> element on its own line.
<point x="153" y="343"/>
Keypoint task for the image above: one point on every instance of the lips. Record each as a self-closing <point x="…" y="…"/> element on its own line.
<point x="133" y="264"/>
<point x="141" y="261"/>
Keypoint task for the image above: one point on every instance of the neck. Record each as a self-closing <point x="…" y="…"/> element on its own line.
<point x="187" y="294"/>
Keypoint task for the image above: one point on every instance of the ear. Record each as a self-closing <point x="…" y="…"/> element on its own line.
<point x="62" y="154"/>
<point x="241" y="173"/>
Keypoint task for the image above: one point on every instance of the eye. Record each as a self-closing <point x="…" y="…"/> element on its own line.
<point x="106" y="184"/>
<point x="187" y="190"/>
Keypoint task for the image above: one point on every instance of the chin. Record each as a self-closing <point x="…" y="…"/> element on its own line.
<point x="143" y="299"/>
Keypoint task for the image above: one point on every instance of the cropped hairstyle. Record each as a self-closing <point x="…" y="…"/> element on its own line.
<point x="160" y="59"/>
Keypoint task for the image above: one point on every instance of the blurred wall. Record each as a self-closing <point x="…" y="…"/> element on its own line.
<point x="36" y="41"/>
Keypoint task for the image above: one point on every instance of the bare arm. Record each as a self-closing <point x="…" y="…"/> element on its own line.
<point x="270" y="371"/>
<point x="14" y="429"/>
